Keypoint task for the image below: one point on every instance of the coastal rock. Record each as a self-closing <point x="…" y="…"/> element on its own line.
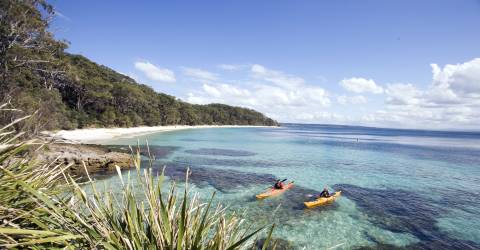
<point x="97" y="158"/>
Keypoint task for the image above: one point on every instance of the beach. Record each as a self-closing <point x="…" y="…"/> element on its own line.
<point x="93" y="135"/>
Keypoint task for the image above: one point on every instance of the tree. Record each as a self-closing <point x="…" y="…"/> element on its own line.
<point x="29" y="57"/>
<point x="25" y="41"/>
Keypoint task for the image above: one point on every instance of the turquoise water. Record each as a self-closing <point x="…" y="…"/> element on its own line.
<point x="404" y="188"/>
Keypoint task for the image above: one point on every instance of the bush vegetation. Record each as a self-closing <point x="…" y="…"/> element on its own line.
<point x="43" y="207"/>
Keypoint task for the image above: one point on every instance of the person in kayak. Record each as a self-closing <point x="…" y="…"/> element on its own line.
<point x="278" y="184"/>
<point x="324" y="193"/>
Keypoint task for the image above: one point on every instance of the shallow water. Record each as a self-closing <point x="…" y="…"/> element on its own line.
<point x="401" y="188"/>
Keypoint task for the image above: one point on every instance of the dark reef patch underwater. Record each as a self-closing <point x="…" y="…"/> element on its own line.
<point x="231" y="162"/>
<point x="223" y="180"/>
<point x="405" y="212"/>
<point x="287" y="206"/>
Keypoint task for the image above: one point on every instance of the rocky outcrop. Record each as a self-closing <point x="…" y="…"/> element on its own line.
<point x="97" y="158"/>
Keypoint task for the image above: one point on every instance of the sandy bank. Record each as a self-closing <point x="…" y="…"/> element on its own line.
<point x="92" y="135"/>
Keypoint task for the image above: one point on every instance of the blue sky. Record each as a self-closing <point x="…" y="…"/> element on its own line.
<point x="346" y="62"/>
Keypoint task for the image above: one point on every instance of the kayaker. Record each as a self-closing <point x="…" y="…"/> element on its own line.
<point x="324" y="193"/>
<point x="278" y="184"/>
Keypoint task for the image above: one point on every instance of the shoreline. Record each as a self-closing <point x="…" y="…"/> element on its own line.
<point x="93" y="135"/>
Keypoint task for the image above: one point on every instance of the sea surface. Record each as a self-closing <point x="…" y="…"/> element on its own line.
<point x="400" y="188"/>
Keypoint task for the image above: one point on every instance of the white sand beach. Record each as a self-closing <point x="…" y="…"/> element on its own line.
<point x="91" y="135"/>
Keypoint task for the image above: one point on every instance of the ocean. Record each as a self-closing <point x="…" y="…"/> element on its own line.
<point x="400" y="188"/>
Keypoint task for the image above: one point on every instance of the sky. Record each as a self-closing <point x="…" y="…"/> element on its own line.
<point x="402" y="64"/>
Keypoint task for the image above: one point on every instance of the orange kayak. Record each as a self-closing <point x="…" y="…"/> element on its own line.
<point x="274" y="192"/>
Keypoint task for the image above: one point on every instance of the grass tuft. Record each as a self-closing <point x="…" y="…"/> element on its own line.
<point x="42" y="206"/>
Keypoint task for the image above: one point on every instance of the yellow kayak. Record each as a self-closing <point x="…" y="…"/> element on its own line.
<point x="322" y="200"/>
<point x="274" y="192"/>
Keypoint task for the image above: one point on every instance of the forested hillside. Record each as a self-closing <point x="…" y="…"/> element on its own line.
<point x="99" y="96"/>
<point x="69" y="91"/>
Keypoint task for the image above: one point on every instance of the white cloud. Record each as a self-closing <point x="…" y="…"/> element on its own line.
<point x="453" y="85"/>
<point x="324" y="116"/>
<point x="277" y="77"/>
<point x="271" y="92"/>
<point x="361" y="85"/>
<point x="356" y="100"/>
<point x="451" y="101"/>
<point x="212" y="91"/>
<point x="155" y="73"/>
<point x="403" y="94"/>
<point x="200" y="74"/>
<point x="462" y="79"/>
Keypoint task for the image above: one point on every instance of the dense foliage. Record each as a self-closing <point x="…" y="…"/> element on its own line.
<point x="70" y="91"/>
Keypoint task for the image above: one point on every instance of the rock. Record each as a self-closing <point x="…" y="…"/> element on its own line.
<point x="96" y="158"/>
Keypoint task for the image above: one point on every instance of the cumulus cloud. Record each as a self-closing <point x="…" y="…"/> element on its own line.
<point x="453" y="85"/>
<point x="361" y="85"/>
<point x="462" y="79"/>
<point x="200" y="74"/>
<point x="222" y="93"/>
<point x="452" y="100"/>
<point x="403" y="94"/>
<point x="283" y="96"/>
<point x="154" y="72"/>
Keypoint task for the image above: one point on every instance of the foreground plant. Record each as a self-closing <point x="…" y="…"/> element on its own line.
<point x="41" y="206"/>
